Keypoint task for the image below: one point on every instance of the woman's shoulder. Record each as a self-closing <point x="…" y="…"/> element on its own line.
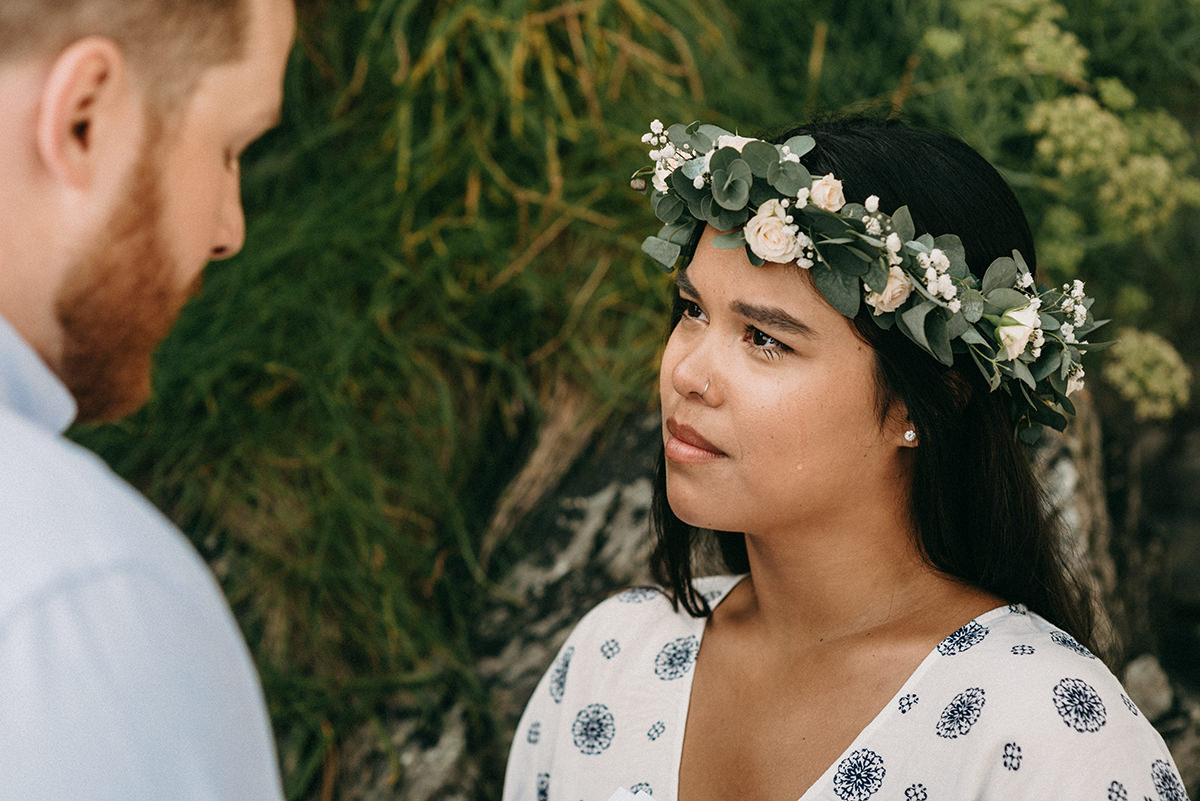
<point x="640" y="608"/>
<point x="1035" y="710"/>
<point x="1020" y="650"/>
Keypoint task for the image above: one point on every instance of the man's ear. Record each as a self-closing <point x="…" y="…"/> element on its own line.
<point x="84" y="104"/>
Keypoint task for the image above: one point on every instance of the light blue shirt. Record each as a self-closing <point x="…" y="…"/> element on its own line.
<point x="123" y="675"/>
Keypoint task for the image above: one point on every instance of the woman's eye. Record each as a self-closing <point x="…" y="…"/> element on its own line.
<point x="688" y="308"/>
<point x="765" y="343"/>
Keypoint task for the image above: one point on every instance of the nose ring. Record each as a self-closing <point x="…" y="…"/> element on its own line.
<point x="706" y="383"/>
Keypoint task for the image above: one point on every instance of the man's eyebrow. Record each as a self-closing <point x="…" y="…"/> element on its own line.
<point x="773" y="317"/>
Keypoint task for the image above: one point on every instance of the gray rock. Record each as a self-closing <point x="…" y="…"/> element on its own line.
<point x="1148" y="687"/>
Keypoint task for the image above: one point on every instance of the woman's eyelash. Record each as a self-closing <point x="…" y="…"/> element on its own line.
<point x="764" y="343"/>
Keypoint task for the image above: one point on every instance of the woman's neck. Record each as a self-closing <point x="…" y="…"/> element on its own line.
<point x="842" y="584"/>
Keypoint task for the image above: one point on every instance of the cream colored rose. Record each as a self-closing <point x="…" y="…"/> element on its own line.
<point x="770" y="236"/>
<point x="730" y="140"/>
<point x="899" y="287"/>
<point x="827" y="193"/>
<point x="1015" y="335"/>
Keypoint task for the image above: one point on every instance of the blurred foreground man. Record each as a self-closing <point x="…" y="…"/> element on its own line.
<point x="122" y="672"/>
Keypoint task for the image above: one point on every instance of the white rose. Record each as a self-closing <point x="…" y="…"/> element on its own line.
<point x="898" y="288"/>
<point x="769" y="234"/>
<point x="730" y="140"/>
<point x="827" y="193"/>
<point x="1014" y="336"/>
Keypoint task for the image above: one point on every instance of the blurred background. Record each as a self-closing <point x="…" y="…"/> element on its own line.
<point x="376" y="422"/>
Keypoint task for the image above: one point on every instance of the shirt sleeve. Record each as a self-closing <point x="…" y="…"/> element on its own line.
<point x="541" y="728"/>
<point x="125" y="685"/>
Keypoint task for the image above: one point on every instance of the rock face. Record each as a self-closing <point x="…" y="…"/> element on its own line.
<point x="590" y="537"/>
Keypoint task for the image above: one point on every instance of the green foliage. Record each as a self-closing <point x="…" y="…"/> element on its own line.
<point x="442" y="233"/>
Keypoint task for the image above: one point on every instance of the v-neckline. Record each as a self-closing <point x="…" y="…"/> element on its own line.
<point x="813" y="791"/>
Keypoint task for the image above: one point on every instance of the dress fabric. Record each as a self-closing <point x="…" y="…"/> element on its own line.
<point x="122" y="672"/>
<point x="1007" y="707"/>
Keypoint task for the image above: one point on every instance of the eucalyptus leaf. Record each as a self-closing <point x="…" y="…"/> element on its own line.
<point x="728" y="220"/>
<point x="1001" y="273"/>
<point x="972" y="336"/>
<point x="788" y="178"/>
<point x="952" y="246"/>
<point x="692" y="168"/>
<point x="1049" y="322"/>
<point x="1021" y="371"/>
<point x="1006" y="299"/>
<point x="731" y="186"/>
<point x="722" y="159"/>
<point x="667" y="208"/>
<point x="957" y="326"/>
<point x="841" y="290"/>
<point x="937" y="334"/>
<point x="799" y="145"/>
<point x="754" y="258"/>
<point x="902" y="223"/>
<point x="664" y="252"/>
<point x="760" y="156"/>
<point x="1047" y="363"/>
<point x="972" y="305"/>
<point x="926" y="240"/>
<point x="845" y="259"/>
<point x="1030" y="434"/>
<point x="734" y="239"/>
<point x="914" y="323"/>
<point x="877" y="276"/>
<point x="760" y="193"/>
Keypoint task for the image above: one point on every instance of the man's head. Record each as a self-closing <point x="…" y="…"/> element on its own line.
<point x="118" y="171"/>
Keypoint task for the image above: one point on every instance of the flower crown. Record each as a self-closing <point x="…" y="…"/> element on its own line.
<point x="1027" y="340"/>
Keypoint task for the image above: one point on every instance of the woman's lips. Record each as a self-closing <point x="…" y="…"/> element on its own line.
<point x="685" y="445"/>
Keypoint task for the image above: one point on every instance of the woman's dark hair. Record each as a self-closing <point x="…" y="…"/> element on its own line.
<point x="978" y="510"/>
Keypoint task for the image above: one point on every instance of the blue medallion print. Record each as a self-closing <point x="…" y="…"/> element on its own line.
<point x="642" y="787"/>
<point x="593" y="729"/>
<point x="916" y="792"/>
<point x="907" y="702"/>
<point x="1079" y="705"/>
<point x="637" y="595"/>
<point x="1012" y="756"/>
<point x="966" y="637"/>
<point x="1070" y="643"/>
<point x="558" y="677"/>
<point x="1022" y="650"/>
<point x="610" y="648"/>
<point x="1166" y="782"/>
<point x="859" y="776"/>
<point x="676" y="658"/>
<point x="961" y="713"/>
<point x="1130" y="705"/>
<point x="1117" y="792"/>
<point x="535" y="733"/>
<point x="1018" y="609"/>
<point x="543" y="787"/>
<point x="656" y="730"/>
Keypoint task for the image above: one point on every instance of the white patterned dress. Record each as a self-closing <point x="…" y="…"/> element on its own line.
<point x="1007" y="707"/>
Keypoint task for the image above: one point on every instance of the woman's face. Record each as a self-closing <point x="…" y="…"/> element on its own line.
<point x="788" y="433"/>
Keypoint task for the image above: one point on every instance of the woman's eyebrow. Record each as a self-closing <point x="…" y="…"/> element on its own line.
<point x="685" y="285"/>
<point x="774" y="317"/>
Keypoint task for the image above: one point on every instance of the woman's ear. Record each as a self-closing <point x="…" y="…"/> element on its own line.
<point x="84" y="108"/>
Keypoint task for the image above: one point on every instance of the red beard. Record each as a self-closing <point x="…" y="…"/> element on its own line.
<point x="119" y="301"/>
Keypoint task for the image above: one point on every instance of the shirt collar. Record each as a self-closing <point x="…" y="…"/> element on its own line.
<point x="28" y="387"/>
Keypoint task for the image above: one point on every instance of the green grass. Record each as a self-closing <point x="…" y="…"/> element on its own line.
<point x="441" y="234"/>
